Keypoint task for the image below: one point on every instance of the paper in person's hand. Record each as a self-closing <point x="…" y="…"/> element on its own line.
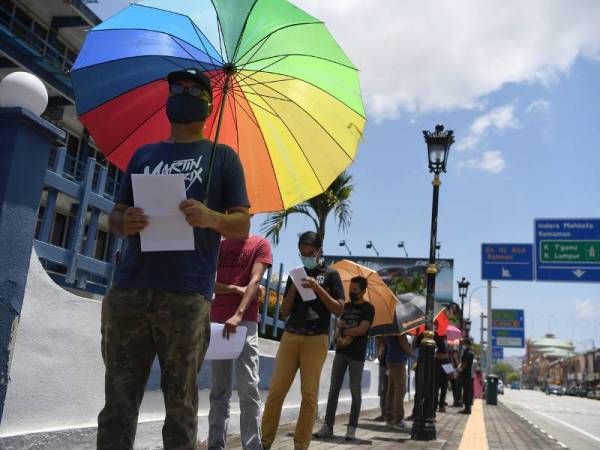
<point x="160" y="196"/>
<point x="220" y="347"/>
<point x="448" y="368"/>
<point x="297" y="275"/>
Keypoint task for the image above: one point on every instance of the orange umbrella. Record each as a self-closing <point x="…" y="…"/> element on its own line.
<point x="378" y="294"/>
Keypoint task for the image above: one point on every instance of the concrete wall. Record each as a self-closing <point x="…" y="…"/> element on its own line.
<point x="57" y="377"/>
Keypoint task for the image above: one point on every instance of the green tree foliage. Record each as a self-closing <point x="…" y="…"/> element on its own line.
<point x="513" y="376"/>
<point x="335" y="199"/>
<point x="502" y="369"/>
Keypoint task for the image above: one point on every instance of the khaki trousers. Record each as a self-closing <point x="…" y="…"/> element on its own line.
<point x="307" y="353"/>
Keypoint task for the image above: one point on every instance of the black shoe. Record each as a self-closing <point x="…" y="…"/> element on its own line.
<point x="411" y="418"/>
<point x="464" y="411"/>
<point x="380" y="418"/>
<point x="442" y="409"/>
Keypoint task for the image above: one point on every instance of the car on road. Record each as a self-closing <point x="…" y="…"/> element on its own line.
<point x="554" y="389"/>
<point x="577" y="391"/>
<point x="594" y="394"/>
<point x="583" y="391"/>
<point x="572" y="390"/>
<point x="500" y="387"/>
<point x="515" y="385"/>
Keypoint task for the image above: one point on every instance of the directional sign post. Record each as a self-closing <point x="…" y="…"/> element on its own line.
<point x="567" y="250"/>
<point x="497" y="353"/>
<point x="508" y="328"/>
<point x="510" y="262"/>
<point x="508" y="318"/>
<point x="508" y="338"/>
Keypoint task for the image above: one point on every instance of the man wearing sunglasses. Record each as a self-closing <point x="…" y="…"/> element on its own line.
<point x="160" y="301"/>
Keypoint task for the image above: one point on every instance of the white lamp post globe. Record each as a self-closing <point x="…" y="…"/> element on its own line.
<point x="23" y="90"/>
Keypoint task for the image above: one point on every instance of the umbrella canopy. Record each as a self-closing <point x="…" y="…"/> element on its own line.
<point x="454" y="334"/>
<point x="378" y="294"/>
<point x="410" y="314"/>
<point x="286" y="97"/>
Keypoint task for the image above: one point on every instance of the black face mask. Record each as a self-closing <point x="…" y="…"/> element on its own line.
<point x="354" y="296"/>
<point x="185" y="109"/>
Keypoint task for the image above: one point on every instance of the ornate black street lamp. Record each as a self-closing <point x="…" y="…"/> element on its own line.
<point x="438" y="147"/>
<point x="463" y="289"/>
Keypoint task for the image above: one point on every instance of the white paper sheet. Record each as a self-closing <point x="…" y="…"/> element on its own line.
<point x="160" y="196"/>
<point x="222" y="348"/>
<point x="297" y="275"/>
<point x="448" y="368"/>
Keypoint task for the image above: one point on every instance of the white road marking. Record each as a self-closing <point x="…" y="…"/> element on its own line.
<point x="562" y="422"/>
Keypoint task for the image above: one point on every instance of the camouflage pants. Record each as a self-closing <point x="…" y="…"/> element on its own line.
<point x="137" y="325"/>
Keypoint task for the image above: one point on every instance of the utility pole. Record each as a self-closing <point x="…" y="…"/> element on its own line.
<point x="489" y="330"/>
<point x="482" y="330"/>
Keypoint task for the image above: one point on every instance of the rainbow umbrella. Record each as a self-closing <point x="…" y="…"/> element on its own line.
<point x="286" y="96"/>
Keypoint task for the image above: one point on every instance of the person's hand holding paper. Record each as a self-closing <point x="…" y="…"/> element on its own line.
<point x="298" y="276"/>
<point x="197" y="214"/>
<point x="160" y="196"/>
<point x="134" y="221"/>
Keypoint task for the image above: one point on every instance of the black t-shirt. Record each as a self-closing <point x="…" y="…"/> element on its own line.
<point x="182" y="270"/>
<point x="312" y="317"/>
<point x="353" y="315"/>
<point x="467" y="363"/>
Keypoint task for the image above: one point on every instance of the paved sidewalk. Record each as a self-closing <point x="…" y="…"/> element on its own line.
<point x="503" y="428"/>
<point x="375" y="435"/>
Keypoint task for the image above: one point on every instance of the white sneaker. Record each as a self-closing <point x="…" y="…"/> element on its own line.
<point x="351" y="433"/>
<point x="325" y="432"/>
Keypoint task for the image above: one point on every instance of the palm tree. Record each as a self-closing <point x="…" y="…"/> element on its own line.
<point x="336" y="198"/>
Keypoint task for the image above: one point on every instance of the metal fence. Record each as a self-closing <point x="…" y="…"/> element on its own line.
<point x="91" y="192"/>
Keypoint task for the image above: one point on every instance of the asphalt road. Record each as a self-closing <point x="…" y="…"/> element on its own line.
<point x="573" y="421"/>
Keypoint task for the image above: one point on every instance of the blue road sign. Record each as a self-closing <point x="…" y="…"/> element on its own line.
<point x="567" y="250"/>
<point x="508" y="318"/>
<point x="510" y="262"/>
<point x="497" y="353"/>
<point x="506" y="337"/>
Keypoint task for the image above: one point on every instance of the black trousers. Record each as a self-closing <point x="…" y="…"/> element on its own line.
<point x="467" y="388"/>
<point x="456" y="391"/>
<point x="441" y="386"/>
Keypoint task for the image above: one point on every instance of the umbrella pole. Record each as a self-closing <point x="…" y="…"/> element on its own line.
<point x="229" y="74"/>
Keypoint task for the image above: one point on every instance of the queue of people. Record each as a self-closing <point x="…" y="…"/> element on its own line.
<point x="161" y="305"/>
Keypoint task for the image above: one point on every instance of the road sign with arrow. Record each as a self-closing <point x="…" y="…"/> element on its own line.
<point x="567" y="249"/>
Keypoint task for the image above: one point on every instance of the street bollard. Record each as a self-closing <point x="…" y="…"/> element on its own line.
<point x="491" y="390"/>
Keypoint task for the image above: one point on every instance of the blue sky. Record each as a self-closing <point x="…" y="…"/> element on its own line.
<point x="519" y="86"/>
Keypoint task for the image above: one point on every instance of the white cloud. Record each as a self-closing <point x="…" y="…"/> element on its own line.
<point x="587" y="309"/>
<point x="430" y="55"/>
<point x="476" y="308"/>
<point x="539" y="107"/>
<point x="490" y="161"/>
<point x="498" y="118"/>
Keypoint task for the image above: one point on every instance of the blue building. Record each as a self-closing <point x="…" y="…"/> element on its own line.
<point x="43" y="37"/>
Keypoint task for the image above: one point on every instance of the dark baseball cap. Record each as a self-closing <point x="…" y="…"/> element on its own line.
<point x="191" y="74"/>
